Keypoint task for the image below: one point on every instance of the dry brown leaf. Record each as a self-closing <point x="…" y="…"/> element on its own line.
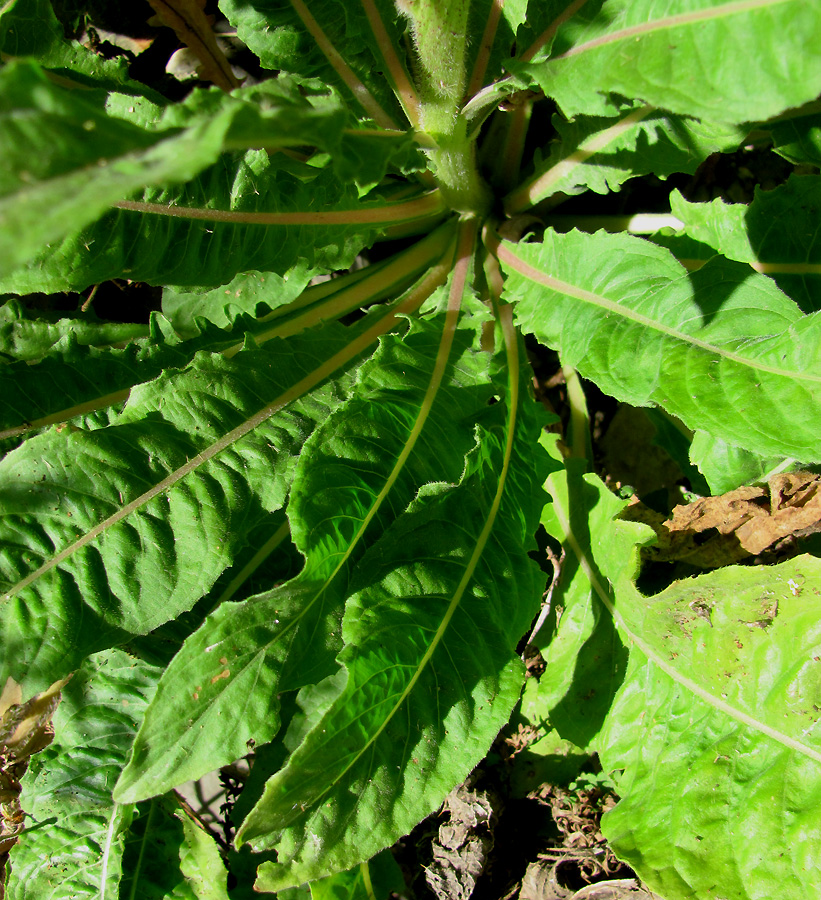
<point x="746" y="521"/>
<point x="25" y="729"/>
<point x="188" y="20"/>
<point x="464" y="841"/>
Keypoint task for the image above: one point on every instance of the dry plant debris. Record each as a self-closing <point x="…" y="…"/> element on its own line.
<point x="745" y="522"/>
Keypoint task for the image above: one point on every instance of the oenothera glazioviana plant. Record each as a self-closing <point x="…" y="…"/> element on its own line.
<point x="293" y="515"/>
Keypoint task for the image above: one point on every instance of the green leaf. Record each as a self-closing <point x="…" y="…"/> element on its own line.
<point x="717" y="712"/>
<point x="248" y="292"/>
<point x="431" y="673"/>
<point x="685" y="58"/>
<point x="87" y="387"/>
<point x="626" y="315"/>
<point x="74" y="844"/>
<point x="331" y="41"/>
<point x="584" y="658"/>
<point x="776" y="234"/>
<point x="797" y="135"/>
<point x="193" y="463"/>
<point x="29" y="28"/>
<point x="409" y="422"/>
<point x="727" y="467"/>
<point x="169" y="857"/>
<point x="721" y="696"/>
<point x="600" y="154"/>
<point x="26" y="338"/>
<point x="200" y="862"/>
<point x="51" y="196"/>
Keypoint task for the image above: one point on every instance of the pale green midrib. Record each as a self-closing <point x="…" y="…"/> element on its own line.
<point x="538" y="187"/>
<point x="304" y="607"/>
<point x="570" y="10"/>
<point x="291" y="394"/>
<point x="138" y="869"/>
<point x="401" y="85"/>
<point x="512" y="353"/>
<point x="107" y="844"/>
<point x="426" y="405"/>
<point x="388" y="213"/>
<point x="341" y="67"/>
<point x="692" y="18"/>
<point x="716" y="702"/>
<point x="477" y="75"/>
<point x="360" y="287"/>
<point x="440" y="364"/>
<point x="563" y="287"/>
<point x="365" y="872"/>
<point x="385" y="278"/>
<point x="308" y="605"/>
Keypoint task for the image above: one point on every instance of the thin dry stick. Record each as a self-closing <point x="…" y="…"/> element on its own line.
<point x="547" y="602"/>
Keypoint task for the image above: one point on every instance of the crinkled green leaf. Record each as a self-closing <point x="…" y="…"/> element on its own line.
<point x="439" y="603"/>
<point x="86" y="387"/>
<point x="778" y="232"/>
<point x="24" y="337"/>
<point x="713" y="736"/>
<point x="278" y="34"/>
<point x="584" y="658"/>
<point x="248" y="292"/>
<point x="29" y="28"/>
<point x="400" y="430"/>
<point x="74" y="843"/>
<point x="716" y="730"/>
<point x="684" y="57"/>
<point x="721" y="347"/>
<point x="51" y="196"/>
<point x="46" y="195"/>
<point x="200" y="862"/>
<point x="87" y="560"/>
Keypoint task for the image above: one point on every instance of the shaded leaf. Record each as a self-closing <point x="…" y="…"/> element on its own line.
<point x="600" y="154"/>
<point x="377" y="879"/>
<point x="777" y="234"/>
<point x="302" y="40"/>
<point x="727" y="467"/>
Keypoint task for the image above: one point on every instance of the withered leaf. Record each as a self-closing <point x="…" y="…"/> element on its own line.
<point x="745" y="521"/>
<point x="191" y="25"/>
